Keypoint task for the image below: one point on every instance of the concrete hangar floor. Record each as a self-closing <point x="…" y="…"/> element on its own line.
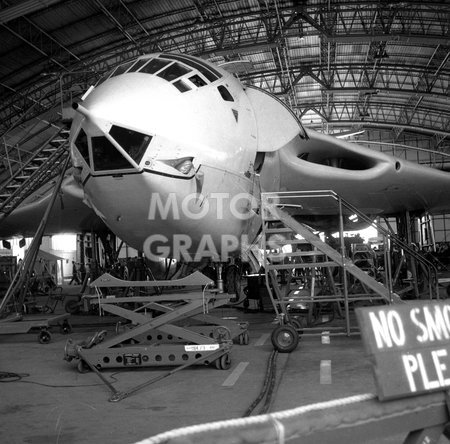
<point x="44" y="399"/>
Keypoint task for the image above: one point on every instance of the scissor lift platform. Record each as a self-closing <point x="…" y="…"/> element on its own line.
<point x="17" y="323"/>
<point x="157" y="332"/>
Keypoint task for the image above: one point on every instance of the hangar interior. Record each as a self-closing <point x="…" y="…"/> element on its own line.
<point x="374" y="73"/>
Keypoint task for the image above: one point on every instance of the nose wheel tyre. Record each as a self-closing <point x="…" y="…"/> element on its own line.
<point x="285" y="338"/>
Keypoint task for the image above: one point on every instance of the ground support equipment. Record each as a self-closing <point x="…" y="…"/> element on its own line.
<point x="153" y="337"/>
<point x="199" y="320"/>
<point x="12" y="306"/>
<point x="25" y="323"/>
<point x="202" y="323"/>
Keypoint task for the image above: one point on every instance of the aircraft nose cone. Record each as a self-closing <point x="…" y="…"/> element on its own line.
<point x="134" y="100"/>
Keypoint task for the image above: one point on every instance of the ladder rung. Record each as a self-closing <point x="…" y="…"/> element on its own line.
<point x="302" y="265"/>
<point x="280" y="242"/>
<point x="296" y="254"/>
<point x="278" y="230"/>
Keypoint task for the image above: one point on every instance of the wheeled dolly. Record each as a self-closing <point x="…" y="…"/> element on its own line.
<point x="24" y="323"/>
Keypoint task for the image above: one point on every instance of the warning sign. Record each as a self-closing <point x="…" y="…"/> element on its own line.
<point x="410" y="346"/>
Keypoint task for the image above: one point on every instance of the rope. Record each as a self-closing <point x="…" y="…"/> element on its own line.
<point x="254" y="420"/>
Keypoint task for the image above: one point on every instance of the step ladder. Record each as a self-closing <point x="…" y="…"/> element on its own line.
<point x="316" y="261"/>
<point x="320" y="262"/>
<point x="42" y="166"/>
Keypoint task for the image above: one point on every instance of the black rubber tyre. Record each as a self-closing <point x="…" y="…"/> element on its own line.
<point x="224" y="362"/>
<point x="244" y="338"/>
<point x="66" y="328"/>
<point x="285" y="338"/>
<point x="44" y="337"/>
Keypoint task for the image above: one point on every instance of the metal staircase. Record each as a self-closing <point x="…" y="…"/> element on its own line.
<point x="42" y="165"/>
<point x="15" y="296"/>
<point x="320" y="272"/>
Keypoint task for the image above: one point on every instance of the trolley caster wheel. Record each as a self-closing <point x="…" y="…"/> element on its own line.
<point x="224" y="362"/>
<point x="285" y="338"/>
<point x="69" y="350"/>
<point x="82" y="367"/>
<point x="44" y="337"/>
<point x="244" y="339"/>
<point x="221" y="334"/>
<point x="66" y="328"/>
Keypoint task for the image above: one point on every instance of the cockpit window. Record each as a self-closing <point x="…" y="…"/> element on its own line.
<point x="226" y="95"/>
<point x="122" y="68"/>
<point x="138" y="65"/>
<point x="197" y="80"/>
<point x="209" y="72"/>
<point x="181" y="86"/>
<point x="132" y="142"/>
<point x="173" y="71"/>
<point x="104" y="77"/>
<point x="81" y="143"/>
<point x="106" y="156"/>
<point x="154" y="65"/>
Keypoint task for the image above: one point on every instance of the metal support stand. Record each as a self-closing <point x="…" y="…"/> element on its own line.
<point x="16" y="293"/>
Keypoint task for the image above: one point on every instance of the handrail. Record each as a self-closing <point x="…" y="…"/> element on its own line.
<point x="30" y="159"/>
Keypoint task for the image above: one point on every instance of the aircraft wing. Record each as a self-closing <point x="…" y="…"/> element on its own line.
<point x="373" y="182"/>
<point x="69" y="214"/>
<point x="296" y="159"/>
